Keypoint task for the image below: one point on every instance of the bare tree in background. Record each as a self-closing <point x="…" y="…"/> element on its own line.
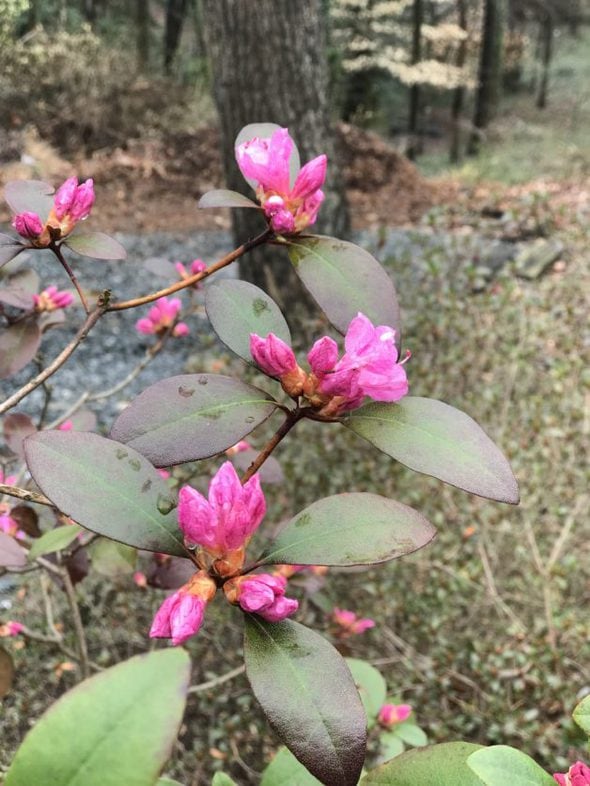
<point x="175" y="15"/>
<point x="414" y="141"/>
<point x="142" y="32"/>
<point x="269" y="65"/>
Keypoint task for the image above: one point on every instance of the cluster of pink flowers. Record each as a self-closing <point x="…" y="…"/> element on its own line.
<point x="72" y="203"/>
<point x="196" y="266"/>
<point x="221" y="526"/>
<point x="369" y="367"/>
<point x="577" y="775"/>
<point x="52" y="298"/>
<point x="267" y="161"/>
<point x="390" y="714"/>
<point x="161" y="316"/>
<point x="11" y="628"/>
<point x="349" y="623"/>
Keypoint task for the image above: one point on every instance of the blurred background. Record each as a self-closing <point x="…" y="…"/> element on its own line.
<point x="459" y="154"/>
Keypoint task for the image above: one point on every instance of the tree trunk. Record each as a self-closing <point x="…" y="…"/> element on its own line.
<point x="175" y="15"/>
<point x="414" y="142"/>
<point x="546" y="55"/>
<point x="459" y="91"/>
<point x="490" y="70"/>
<point x="269" y="65"/>
<point x="142" y="29"/>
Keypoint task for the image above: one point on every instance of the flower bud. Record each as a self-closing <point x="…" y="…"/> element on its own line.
<point x="83" y="201"/>
<point x="52" y="299"/>
<point x="181" y="615"/>
<point x="28" y="225"/>
<point x="262" y="594"/>
<point x="390" y="714"/>
<point x="272" y="355"/>
<point x="577" y="775"/>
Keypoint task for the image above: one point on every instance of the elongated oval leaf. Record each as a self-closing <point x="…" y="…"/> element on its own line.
<point x="17" y="426"/>
<point x="581" y="715"/>
<point x="410" y="734"/>
<point x="115" y="728"/>
<point x="309" y="697"/>
<point x="223" y="197"/>
<point x="221" y="779"/>
<point x="190" y="417"/>
<point x="96" y="245"/>
<point x="285" y="770"/>
<point x="370" y="685"/>
<point x="432" y="437"/>
<point x="11" y="554"/>
<point x="265" y="131"/>
<point x="32" y="196"/>
<point x="237" y="308"/>
<point x="18" y="346"/>
<point x="501" y="765"/>
<point x="18" y="289"/>
<point x="54" y="540"/>
<point x="9" y="248"/>
<point x="345" y="279"/>
<point x="437" y="765"/>
<point x="106" y="487"/>
<point x="350" y="529"/>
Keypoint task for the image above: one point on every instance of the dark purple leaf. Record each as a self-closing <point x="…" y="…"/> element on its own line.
<point x="170" y="573"/>
<point x="345" y="279"/>
<point x="309" y="697"/>
<point x="11" y="554"/>
<point x="18" y="289"/>
<point x="106" y="487"/>
<point x="432" y="437"/>
<point x="16" y="427"/>
<point x="9" y="248"/>
<point x="190" y="417"/>
<point x="27" y="520"/>
<point x="18" y="345"/>
<point x="222" y="197"/>
<point x="96" y="245"/>
<point x="32" y="196"/>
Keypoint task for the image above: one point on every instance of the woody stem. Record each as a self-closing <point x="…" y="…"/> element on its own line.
<point x="291" y="419"/>
<point x="58" y="253"/>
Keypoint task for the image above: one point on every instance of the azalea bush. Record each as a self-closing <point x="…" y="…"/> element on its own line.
<point x="115" y="492"/>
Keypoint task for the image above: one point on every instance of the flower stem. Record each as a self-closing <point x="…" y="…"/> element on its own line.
<point x="58" y="253"/>
<point x="291" y="419"/>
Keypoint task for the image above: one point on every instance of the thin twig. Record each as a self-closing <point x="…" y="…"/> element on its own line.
<point x="77" y="620"/>
<point x="291" y="419"/>
<point x="213" y="683"/>
<point x="26" y="495"/>
<point x="191" y="280"/>
<point x="57" y="363"/>
<point x="58" y="253"/>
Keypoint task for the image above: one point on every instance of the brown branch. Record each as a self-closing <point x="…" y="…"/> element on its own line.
<point x="72" y="276"/>
<point x="213" y="683"/>
<point x="57" y="363"/>
<point x="291" y="419"/>
<point x="25" y="495"/>
<point x="77" y="620"/>
<point x="191" y="280"/>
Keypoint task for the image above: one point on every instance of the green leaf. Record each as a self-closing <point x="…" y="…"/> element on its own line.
<point x="285" y="770"/>
<point x="190" y="417"/>
<point x="223" y="197"/>
<point x="309" y="697"/>
<point x="345" y="279"/>
<point x="501" y="765"/>
<point x="410" y="733"/>
<point x="432" y="437"/>
<point x="18" y="346"/>
<point x="112" y="559"/>
<point x="237" y="308"/>
<point x="391" y="746"/>
<point x="106" y="487"/>
<point x="115" y="728"/>
<point x="350" y="529"/>
<point x="11" y="554"/>
<point x="265" y="131"/>
<point x="32" y="196"/>
<point x="221" y="779"/>
<point x="370" y="685"/>
<point x="437" y="765"/>
<point x="54" y="540"/>
<point x="581" y="715"/>
<point x="96" y="245"/>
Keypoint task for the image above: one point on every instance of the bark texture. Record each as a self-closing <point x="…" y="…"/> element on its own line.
<point x="459" y="91"/>
<point x="175" y="14"/>
<point x="269" y="65"/>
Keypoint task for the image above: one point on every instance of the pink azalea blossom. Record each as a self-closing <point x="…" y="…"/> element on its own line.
<point x="266" y="161"/>
<point x="239" y="447"/>
<point x="28" y="225"/>
<point x="11" y="628"/>
<point x="349" y="623"/>
<point x="181" y="615"/>
<point x="196" y="266"/>
<point x="577" y="775"/>
<point x="262" y="594"/>
<point x="161" y="316"/>
<point x="272" y="355"/>
<point x="369" y="367"/>
<point x="73" y="200"/>
<point x="228" y="519"/>
<point x="67" y="425"/>
<point x="52" y="298"/>
<point x="390" y="714"/>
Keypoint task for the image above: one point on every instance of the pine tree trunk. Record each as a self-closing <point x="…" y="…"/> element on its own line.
<point x="175" y="15"/>
<point x="142" y="29"/>
<point x="459" y="91"/>
<point x="546" y="55"/>
<point x="414" y="103"/>
<point x="490" y="70"/>
<point x="269" y="65"/>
